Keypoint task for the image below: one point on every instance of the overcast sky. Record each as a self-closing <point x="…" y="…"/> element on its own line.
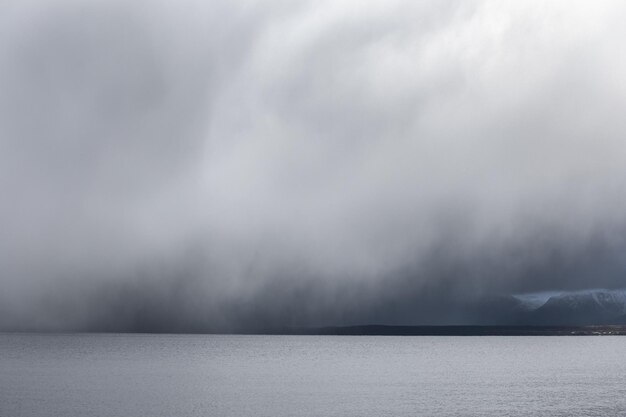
<point x="213" y="165"/>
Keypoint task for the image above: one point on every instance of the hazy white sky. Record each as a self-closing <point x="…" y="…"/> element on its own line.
<point x="320" y="145"/>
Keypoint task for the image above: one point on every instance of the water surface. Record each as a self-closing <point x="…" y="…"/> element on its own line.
<point x="211" y="375"/>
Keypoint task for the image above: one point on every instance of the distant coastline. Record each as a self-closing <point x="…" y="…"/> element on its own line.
<point x="386" y="330"/>
<point x="375" y="330"/>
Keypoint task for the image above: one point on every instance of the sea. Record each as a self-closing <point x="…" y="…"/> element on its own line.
<point x="132" y="375"/>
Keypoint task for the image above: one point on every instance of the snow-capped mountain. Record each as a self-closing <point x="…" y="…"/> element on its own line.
<point x="596" y="306"/>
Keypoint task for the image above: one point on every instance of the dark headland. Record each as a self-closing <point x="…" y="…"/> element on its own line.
<point x="384" y="330"/>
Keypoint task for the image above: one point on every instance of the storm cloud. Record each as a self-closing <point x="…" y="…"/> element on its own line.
<point x="202" y="166"/>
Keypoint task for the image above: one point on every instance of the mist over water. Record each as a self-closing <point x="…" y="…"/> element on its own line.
<point x="201" y="166"/>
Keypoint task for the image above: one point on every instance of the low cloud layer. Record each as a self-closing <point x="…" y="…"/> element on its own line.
<point x="203" y="166"/>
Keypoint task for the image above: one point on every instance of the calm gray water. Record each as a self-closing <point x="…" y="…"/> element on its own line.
<point x="208" y="375"/>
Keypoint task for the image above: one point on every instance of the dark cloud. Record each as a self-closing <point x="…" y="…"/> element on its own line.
<point x="241" y="165"/>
